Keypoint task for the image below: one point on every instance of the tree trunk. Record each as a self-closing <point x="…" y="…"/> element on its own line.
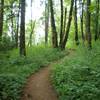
<point x="12" y="24"/>
<point x="64" y="29"/>
<point x="32" y="27"/>
<point x="53" y="26"/>
<point x="32" y="31"/>
<point x="97" y="20"/>
<point x="1" y="18"/>
<point x="22" y="30"/>
<point x="61" y="23"/>
<point x="17" y="29"/>
<point x="81" y="18"/>
<point x="75" y="23"/>
<point x="65" y="38"/>
<point x="88" y="23"/>
<point x="46" y="21"/>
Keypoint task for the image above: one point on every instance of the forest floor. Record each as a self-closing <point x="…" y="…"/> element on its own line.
<point x="39" y="86"/>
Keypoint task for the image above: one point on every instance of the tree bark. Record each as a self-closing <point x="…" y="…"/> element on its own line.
<point x="17" y="28"/>
<point x="1" y="18"/>
<point x="75" y="23"/>
<point x="22" y="30"/>
<point x="12" y="24"/>
<point x="61" y="23"/>
<point x="32" y="27"/>
<point x="46" y="21"/>
<point x="81" y="18"/>
<point x="65" y="38"/>
<point x="53" y="26"/>
<point x="64" y="29"/>
<point x="97" y="20"/>
<point x="32" y="31"/>
<point x="88" y="23"/>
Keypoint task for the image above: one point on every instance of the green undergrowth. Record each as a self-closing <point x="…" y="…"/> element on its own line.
<point x="77" y="77"/>
<point x="14" y="70"/>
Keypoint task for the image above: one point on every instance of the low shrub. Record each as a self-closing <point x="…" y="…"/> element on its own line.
<point x="6" y="44"/>
<point x="10" y="86"/>
<point x="77" y="77"/>
<point x="15" y="70"/>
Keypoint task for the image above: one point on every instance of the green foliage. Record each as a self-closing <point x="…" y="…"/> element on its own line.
<point x="6" y="44"/>
<point x="15" y="70"/>
<point x="78" y="77"/>
<point x="10" y="86"/>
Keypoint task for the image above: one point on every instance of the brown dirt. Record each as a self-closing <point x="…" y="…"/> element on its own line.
<point x="39" y="86"/>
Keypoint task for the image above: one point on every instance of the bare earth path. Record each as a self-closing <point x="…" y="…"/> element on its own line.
<point x="39" y="87"/>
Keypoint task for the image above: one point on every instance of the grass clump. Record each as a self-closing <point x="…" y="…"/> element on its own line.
<point x="77" y="77"/>
<point x="14" y="70"/>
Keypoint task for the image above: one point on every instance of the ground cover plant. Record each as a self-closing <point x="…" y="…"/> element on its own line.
<point x="15" y="69"/>
<point x="77" y="77"/>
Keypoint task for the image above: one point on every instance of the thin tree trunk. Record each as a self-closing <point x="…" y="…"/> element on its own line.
<point x="32" y="30"/>
<point x="46" y="21"/>
<point x="53" y="26"/>
<point x="81" y="18"/>
<point x="12" y="24"/>
<point x="22" y="30"/>
<point x="31" y="26"/>
<point x="97" y="20"/>
<point x="1" y="18"/>
<point x="65" y="38"/>
<point x="17" y="29"/>
<point x="61" y="23"/>
<point x="88" y="23"/>
<point x="64" y="29"/>
<point x="75" y="23"/>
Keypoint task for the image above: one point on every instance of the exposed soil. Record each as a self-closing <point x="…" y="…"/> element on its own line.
<point x="39" y="86"/>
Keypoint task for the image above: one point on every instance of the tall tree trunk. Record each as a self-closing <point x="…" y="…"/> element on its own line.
<point x="32" y="31"/>
<point x="46" y="21"/>
<point x="65" y="17"/>
<point x="88" y="23"/>
<point x="61" y="23"/>
<point x="81" y="18"/>
<point x="75" y="22"/>
<point x="12" y="24"/>
<point x="1" y="18"/>
<point x="17" y="28"/>
<point x="32" y="27"/>
<point x="97" y="20"/>
<point x="53" y="26"/>
<point x="65" y="38"/>
<point x="22" y="30"/>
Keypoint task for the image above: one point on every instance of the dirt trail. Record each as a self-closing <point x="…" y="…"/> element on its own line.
<point x="39" y="87"/>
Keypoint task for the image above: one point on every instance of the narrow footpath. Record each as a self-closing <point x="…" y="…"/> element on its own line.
<point x="39" y="87"/>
